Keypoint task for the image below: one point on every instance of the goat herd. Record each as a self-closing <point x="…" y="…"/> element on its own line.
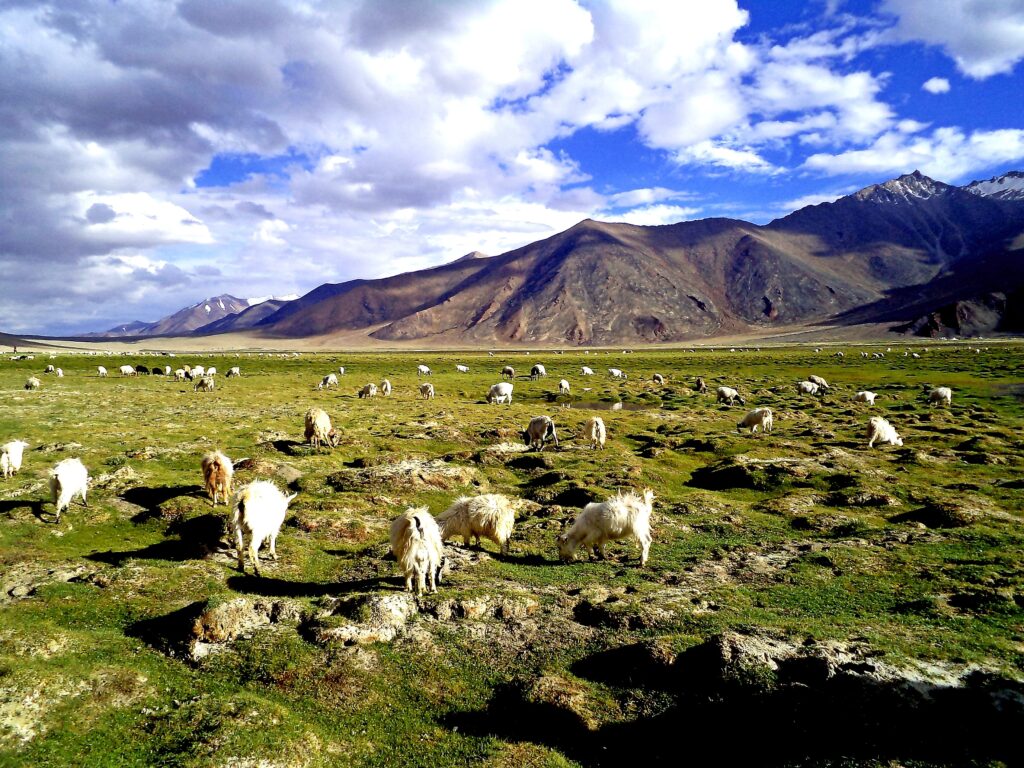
<point x="416" y="536"/>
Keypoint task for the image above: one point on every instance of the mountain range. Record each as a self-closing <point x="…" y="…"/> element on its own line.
<point x="924" y="256"/>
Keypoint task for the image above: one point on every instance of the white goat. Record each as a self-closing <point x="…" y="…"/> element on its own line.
<point x="759" y="417"/>
<point x="198" y="371"/>
<point x="500" y="393"/>
<point x="423" y="370"/>
<point x="537" y="371"/>
<point x="127" y="370"/>
<point x="563" y="387"/>
<point x="217" y="474"/>
<point x="385" y="388"/>
<point x="233" y="371"/>
<point x="538" y="431"/>
<point x="69" y="478"/>
<point x="341" y="370"/>
<point x="327" y="381"/>
<point x="205" y="384"/>
<point x="940" y="396"/>
<point x="416" y="545"/>
<point x="179" y="375"/>
<point x="625" y="515"/>
<point x="258" y="515"/>
<point x="881" y="431"/>
<point x="729" y="396"/>
<point x="658" y="378"/>
<point x="807" y="388"/>
<point x="32" y="383"/>
<point x="462" y="368"/>
<point x="49" y="369"/>
<point x="616" y="373"/>
<point x="818" y="380"/>
<point x="60" y="373"/>
<point x="319" y="429"/>
<point x="586" y="370"/>
<point x="427" y="390"/>
<point x="101" y="371"/>
<point x="595" y="430"/>
<point x="211" y="371"/>
<point x="864" y="396"/>
<point x="10" y="457"/>
<point x="490" y="516"/>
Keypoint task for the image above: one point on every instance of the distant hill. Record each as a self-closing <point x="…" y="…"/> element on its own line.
<point x="249" y="317"/>
<point x="181" y="322"/>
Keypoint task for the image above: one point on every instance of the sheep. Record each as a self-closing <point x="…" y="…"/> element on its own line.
<point x="49" y="369"/>
<point x="427" y="390"/>
<point x="940" y="396"/>
<point x="233" y="371"/>
<point x="417" y="546"/>
<point x="167" y="370"/>
<point x="211" y="371"/>
<point x="462" y="368"/>
<point x="385" y="388"/>
<point x="508" y="371"/>
<point x="141" y="370"/>
<point x="32" y="383"/>
<point x="594" y="429"/>
<point x="818" y="380"/>
<point x="488" y="516"/>
<point x="101" y="371"/>
<point x="60" y="373"/>
<point x="319" y="429"/>
<point x="625" y="515"/>
<point x="370" y="390"/>
<point x="700" y="386"/>
<point x="259" y="513"/>
<point x="423" y="370"/>
<point x="759" y="417"/>
<point x="658" y="378"/>
<point x="341" y="370"/>
<point x="539" y="430"/>
<point x="326" y="381"/>
<point x="864" y="354"/>
<point x="586" y="370"/>
<point x="127" y="370"/>
<point x="157" y="371"/>
<point x="616" y="373"/>
<point x="563" y="387"/>
<point x="10" y="457"/>
<point x="807" y="388"/>
<point x="882" y="432"/>
<point x="537" y="371"/>
<point x="198" y="371"/>
<point x="915" y="355"/>
<point x="205" y="384"/>
<point x="864" y="396"/>
<point x="728" y="395"/>
<point x="840" y="355"/>
<point x="217" y="474"/>
<point x="179" y="375"/>
<point x="500" y="393"/>
<point x="69" y="478"/>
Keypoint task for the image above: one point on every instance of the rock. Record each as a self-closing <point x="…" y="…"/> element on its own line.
<point x="414" y="473"/>
<point x="370" y="619"/>
<point x="941" y="514"/>
<point x="223" y="623"/>
<point x="567" y="696"/>
<point x="744" y="471"/>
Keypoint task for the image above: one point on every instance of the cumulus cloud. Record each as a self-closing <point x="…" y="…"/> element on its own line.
<point x="983" y="37"/>
<point x="936" y="85"/>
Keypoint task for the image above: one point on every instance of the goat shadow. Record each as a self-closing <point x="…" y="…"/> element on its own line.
<point x="268" y="586"/>
<point x="197" y="538"/>
<point x="151" y="499"/>
<point x="35" y="506"/>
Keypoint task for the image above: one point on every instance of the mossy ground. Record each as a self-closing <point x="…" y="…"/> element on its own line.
<point x="819" y="553"/>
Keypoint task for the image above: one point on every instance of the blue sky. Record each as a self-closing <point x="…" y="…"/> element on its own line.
<point x="156" y="153"/>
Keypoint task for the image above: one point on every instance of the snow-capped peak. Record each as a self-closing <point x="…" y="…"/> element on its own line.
<point x="910" y="185"/>
<point x="1008" y="186"/>
<point x="260" y="299"/>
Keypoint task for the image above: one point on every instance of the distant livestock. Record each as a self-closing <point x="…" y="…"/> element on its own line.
<point x="700" y="386"/>
<point x="729" y="396"/>
<point x="595" y="430"/>
<point x="508" y="372"/>
<point x="658" y="378"/>
<point x="258" y="516"/>
<point x="11" y="454"/>
<point x="423" y="370"/>
<point x="462" y="368"/>
<point x="49" y="369"/>
<point x="807" y="388"/>
<point x="625" y="515"/>
<point x="489" y="516"/>
<point x="385" y="388"/>
<point x="205" y="384"/>
<point x="69" y="478"/>
<point x="369" y="390"/>
<point x="941" y="396"/>
<point x="127" y="370"/>
<point x="759" y="417"/>
<point x="864" y="396"/>
<point x="101" y="371"/>
<point x="217" y="474"/>
<point x="211" y="371"/>
<point x="881" y="431"/>
<point x="586" y="370"/>
<point x="341" y="370"/>
<point x="537" y="371"/>
<point x="563" y="387"/>
<point x="141" y="370"/>
<point x="539" y="431"/>
<point x="327" y="381"/>
<point x="319" y="429"/>
<point x="32" y="383"/>
<point x="427" y="391"/>
<point x="500" y="393"/>
<point x="417" y="546"/>
<point x="232" y="372"/>
<point x="617" y="373"/>
<point x="818" y="380"/>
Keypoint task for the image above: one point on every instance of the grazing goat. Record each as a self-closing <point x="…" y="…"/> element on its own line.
<point x="369" y="390"/>
<point x="586" y="370"/>
<point x="101" y="371"/>
<point x="539" y="431"/>
<point x="940" y="396"/>
<point x="319" y="429"/>
<point x="625" y="515"/>
<point x="462" y="368"/>
<point x="423" y="370"/>
<point x="881" y="431"/>
<point x="563" y="387"/>
<point x="658" y="378"/>
<point x="385" y="388"/>
<point x="818" y="380"/>
<point x="49" y="369"/>
<point x="508" y="372"/>
<point x="729" y="396"/>
<point x="233" y="371"/>
<point x="259" y="513"/>
<point x="127" y="370"/>
<point x="537" y="371"/>
<point x="69" y="478"/>
<point x="594" y="429"/>
<point x="865" y="396"/>
<point x="500" y="393"/>
<point x="10" y="457"/>
<point x="217" y="474"/>
<point x="341" y="370"/>
<point x="32" y="383"/>
<point x="759" y="417"/>
<point x="700" y="386"/>
<point x="427" y="390"/>
<point x="807" y="388"/>
<point x="205" y="384"/>
<point x="416" y="545"/>
<point x="616" y="373"/>
<point x="326" y="381"/>
<point x="490" y="516"/>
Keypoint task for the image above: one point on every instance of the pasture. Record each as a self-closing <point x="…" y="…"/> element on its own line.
<point x="128" y="636"/>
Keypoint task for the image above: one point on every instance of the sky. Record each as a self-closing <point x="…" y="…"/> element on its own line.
<point x="153" y="153"/>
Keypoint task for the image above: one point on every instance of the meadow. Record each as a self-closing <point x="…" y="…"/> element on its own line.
<point x="128" y="636"/>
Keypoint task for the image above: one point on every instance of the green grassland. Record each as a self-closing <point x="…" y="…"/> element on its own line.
<point x="916" y="551"/>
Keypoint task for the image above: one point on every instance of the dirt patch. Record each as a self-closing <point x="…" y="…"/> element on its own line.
<point x="22" y="580"/>
<point x="426" y="473"/>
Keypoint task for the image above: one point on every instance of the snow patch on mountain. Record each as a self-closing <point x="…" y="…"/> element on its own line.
<point x="1008" y="186"/>
<point x="901" y="190"/>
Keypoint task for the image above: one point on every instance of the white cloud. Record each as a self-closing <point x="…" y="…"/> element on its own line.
<point x="983" y="37"/>
<point x="652" y="215"/>
<point x="936" y="85"/>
